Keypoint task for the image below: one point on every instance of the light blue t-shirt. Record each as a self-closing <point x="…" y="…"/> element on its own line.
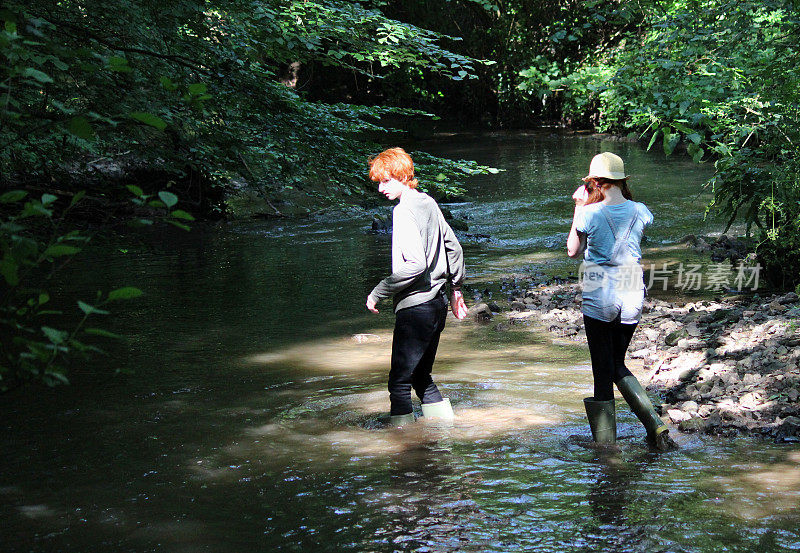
<point x="600" y="239"/>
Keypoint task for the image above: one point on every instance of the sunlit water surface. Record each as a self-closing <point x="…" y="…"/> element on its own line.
<point x="252" y="417"/>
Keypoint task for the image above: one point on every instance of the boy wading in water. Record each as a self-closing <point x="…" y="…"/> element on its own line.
<point x="425" y="256"/>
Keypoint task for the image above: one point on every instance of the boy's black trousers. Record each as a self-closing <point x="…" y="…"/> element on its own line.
<point x="416" y="338"/>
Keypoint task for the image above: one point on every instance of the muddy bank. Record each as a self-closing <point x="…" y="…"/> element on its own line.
<point x="725" y="366"/>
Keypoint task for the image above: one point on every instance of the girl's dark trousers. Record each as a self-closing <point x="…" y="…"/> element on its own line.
<point x="608" y="342"/>
<point x="416" y="338"/>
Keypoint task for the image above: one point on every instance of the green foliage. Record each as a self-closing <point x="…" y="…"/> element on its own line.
<point x="442" y="177"/>
<point x="718" y="80"/>
<point x="195" y="87"/>
<point x="35" y="246"/>
<point x="563" y="73"/>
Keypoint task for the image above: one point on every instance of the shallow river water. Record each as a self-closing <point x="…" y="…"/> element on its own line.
<point x="251" y="420"/>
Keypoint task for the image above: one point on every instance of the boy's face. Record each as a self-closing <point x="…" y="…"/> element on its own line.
<point x="391" y="188"/>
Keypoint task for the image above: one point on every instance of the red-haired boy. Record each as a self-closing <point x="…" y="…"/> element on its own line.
<point x="425" y="256"/>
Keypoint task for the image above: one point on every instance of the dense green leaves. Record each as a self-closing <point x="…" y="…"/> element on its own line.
<point x="197" y="89"/>
<point x="718" y="80"/>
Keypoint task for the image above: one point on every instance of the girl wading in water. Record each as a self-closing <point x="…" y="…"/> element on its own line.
<point x="607" y="228"/>
<point x="425" y="257"/>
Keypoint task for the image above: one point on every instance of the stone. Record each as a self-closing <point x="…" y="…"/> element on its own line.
<point x="705" y="410"/>
<point x="571" y="330"/>
<point x="705" y="373"/>
<point x="684" y="373"/>
<point x="720" y="368"/>
<point x="694" y="424"/>
<point x="776" y="307"/>
<point x="366" y="338"/>
<point x="791" y="297"/>
<point x="459" y="224"/>
<point x="651" y="334"/>
<point x="750" y="378"/>
<point x="693" y="330"/>
<point x="792" y="342"/>
<point x="689" y="359"/>
<point x="694" y="392"/>
<point x="481" y="313"/>
<point x="730" y="378"/>
<point x="379" y="224"/>
<point x="790" y="427"/>
<point x="727" y="411"/>
<point x="689" y="407"/>
<point x="494" y="307"/>
<point x="673" y="338"/>
<point x="676" y="415"/>
<point x="518" y="306"/>
<point x="750" y="400"/>
<point x="714" y="419"/>
<point x="693" y="316"/>
<point x="722" y="314"/>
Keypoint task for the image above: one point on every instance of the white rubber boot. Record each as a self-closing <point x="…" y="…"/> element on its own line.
<point x="441" y="410"/>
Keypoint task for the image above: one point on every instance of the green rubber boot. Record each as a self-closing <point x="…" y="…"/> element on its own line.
<point x="642" y="407"/>
<point x="602" y="420"/>
<point x="441" y="410"/>
<point x="402" y="420"/>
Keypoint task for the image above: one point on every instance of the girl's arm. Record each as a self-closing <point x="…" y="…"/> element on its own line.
<point x="576" y="241"/>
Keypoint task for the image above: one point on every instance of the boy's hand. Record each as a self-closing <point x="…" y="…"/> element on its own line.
<point x="371" y="305"/>
<point x="457" y="305"/>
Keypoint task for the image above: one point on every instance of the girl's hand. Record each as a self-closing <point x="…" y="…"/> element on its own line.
<point x="580" y="195"/>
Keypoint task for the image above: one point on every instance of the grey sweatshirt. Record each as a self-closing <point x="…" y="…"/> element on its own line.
<point x="425" y="253"/>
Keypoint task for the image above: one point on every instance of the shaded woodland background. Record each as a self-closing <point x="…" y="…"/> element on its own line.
<point x="118" y="114"/>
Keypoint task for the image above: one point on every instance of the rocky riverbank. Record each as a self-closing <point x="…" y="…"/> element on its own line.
<point x="724" y="366"/>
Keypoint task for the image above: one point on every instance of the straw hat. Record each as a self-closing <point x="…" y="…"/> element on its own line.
<point x="608" y="166"/>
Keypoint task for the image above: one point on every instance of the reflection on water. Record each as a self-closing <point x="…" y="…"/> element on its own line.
<point x="254" y="417"/>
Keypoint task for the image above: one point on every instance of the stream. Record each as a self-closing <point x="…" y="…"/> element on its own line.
<point x="241" y="414"/>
